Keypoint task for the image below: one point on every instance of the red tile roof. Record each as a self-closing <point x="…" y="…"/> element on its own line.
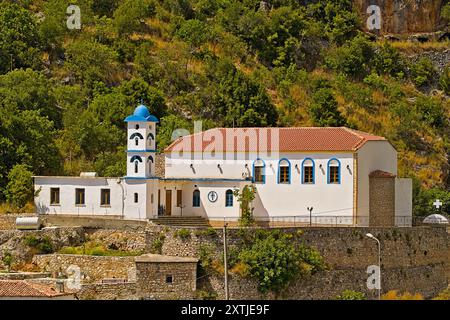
<point x="23" y="288"/>
<point x="263" y="139"/>
<point x="381" y="174"/>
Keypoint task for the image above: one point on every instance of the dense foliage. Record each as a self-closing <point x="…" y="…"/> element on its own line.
<point x="274" y="260"/>
<point x="64" y="93"/>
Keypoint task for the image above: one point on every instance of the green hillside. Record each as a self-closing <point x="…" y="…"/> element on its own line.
<point x="64" y="93"/>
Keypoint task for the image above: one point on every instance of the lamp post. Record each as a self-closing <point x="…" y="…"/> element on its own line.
<point x="310" y="215"/>
<point x="371" y="236"/>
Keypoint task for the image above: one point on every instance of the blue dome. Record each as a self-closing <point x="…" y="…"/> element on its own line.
<point x="141" y="111"/>
<point x="141" y="114"/>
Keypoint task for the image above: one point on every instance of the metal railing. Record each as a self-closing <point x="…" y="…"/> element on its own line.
<point x="321" y="221"/>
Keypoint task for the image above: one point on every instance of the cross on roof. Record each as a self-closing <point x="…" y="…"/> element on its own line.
<point x="437" y="204"/>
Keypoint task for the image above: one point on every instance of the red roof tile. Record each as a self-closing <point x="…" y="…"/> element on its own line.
<point x="381" y="174"/>
<point x="263" y="139"/>
<point x="22" y="288"/>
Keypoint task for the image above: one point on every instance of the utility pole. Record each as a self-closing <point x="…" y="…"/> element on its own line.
<point x="225" y="263"/>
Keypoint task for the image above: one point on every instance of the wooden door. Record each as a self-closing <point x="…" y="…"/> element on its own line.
<point x="168" y="202"/>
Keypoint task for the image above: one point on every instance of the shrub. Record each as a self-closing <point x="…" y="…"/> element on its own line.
<point x="351" y="295"/>
<point x="19" y="189"/>
<point x="209" y="232"/>
<point x="245" y="198"/>
<point x="183" y="234"/>
<point x="444" y="295"/>
<point x="324" y="109"/>
<point x="422" y="72"/>
<point x="158" y="243"/>
<point x="395" y="295"/>
<point x="42" y="245"/>
<point x="206" y="295"/>
<point x="7" y="260"/>
<point x="353" y="59"/>
<point x="274" y="260"/>
<point x="444" y="80"/>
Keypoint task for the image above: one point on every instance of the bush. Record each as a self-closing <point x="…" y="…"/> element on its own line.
<point x="353" y="59"/>
<point x="183" y="234"/>
<point x="324" y="109"/>
<point x="422" y="72"/>
<point x="444" y="80"/>
<point x="351" y="295"/>
<point x="42" y="245"/>
<point x="395" y="295"/>
<point x="7" y="260"/>
<point x="158" y="243"/>
<point x="274" y="260"/>
<point x="19" y="189"/>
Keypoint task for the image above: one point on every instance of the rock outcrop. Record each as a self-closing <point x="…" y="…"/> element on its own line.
<point x="405" y="16"/>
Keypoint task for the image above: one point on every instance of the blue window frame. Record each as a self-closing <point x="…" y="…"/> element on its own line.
<point x="334" y="171"/>
<point x="196" y="198"/>
<point x="229" y="198"/>
<point x="284" y="171"/>
<point x="308" y="171"/>
<point x="259" y="171"/>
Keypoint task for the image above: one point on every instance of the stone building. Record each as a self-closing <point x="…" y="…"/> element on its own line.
<point x="166" y="277"/>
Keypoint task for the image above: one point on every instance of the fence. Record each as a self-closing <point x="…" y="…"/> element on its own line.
<point x="318" y="221"/>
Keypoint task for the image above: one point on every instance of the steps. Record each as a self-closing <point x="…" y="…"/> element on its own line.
<point x="181" y="221"/>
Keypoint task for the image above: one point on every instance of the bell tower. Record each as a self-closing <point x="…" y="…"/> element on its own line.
<point x="141" y="146"/>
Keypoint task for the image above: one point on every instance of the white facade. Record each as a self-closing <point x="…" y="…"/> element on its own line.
<point x="325" y="187"/>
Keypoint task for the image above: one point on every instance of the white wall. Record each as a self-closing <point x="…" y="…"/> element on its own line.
<point x="121" y="196"/>
<point x="67" y="187"/>
<point x="278" y="199"/>
<point x="374" y="155"/>
<point x="403" y="201"/>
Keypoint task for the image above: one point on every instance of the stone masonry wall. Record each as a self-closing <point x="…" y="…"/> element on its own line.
<point x="413" y="259"/>
<point x="93" y="268"/>
<point x="382" y="201"/>
<point x="115" y="291"/>
<point x="151" y="280"/>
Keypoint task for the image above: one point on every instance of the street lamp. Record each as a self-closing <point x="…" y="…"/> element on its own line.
<point x="371" y="236"/>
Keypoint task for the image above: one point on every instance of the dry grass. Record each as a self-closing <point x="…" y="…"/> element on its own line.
<point x="410" y="47"/>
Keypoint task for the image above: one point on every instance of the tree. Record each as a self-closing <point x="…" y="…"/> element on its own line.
<point x="324" y="109"/>
<point x="91" y="61"/>
<point x="274" y="260"/>
<point x="129" y="15"/>
<point x="245" y="198"/>
<point x="19" y="190"/>
<point x="422" y="72"/>
<point x="353" y="59"/>
<point x="19" y="38"/>
<point x="194" y="32"/>
<point x="138" y="91"/>
<point x="29" y="90"/>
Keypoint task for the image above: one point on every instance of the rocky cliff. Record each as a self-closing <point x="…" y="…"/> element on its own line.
<point x="405" y="16"/>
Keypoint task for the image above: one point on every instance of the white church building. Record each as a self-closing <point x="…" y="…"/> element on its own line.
<point x="329" y="176"/>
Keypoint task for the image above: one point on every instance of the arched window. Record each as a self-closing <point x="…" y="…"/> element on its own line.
<point x="308" y="176"/>
<point x="136" y="166"/>
<point x="196" y="198"/>
<point x="259" y="171"/>
<point x="284" y="171"/>
<point x="138" y="158"/>
<point x="229" y="198"/>
<point x="136" y="135"/>
<point x="334" y="171"/>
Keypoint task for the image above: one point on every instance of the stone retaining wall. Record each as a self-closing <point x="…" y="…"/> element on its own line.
<point x="115" y="291"/>
<point x="93" y="268"/>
